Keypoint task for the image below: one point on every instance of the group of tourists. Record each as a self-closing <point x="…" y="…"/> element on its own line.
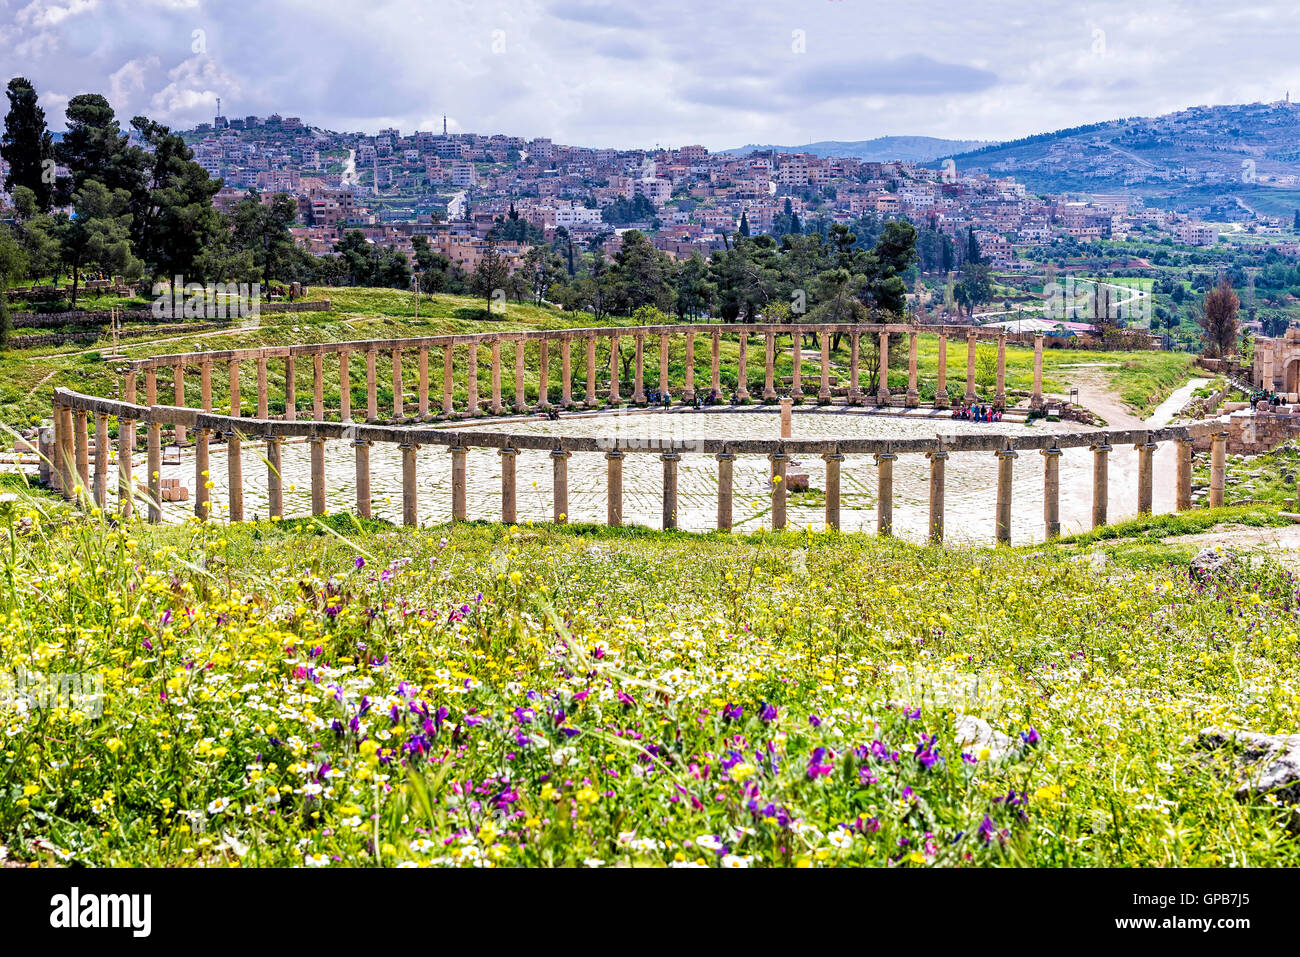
<point x="978" y="413"/>
<point x="1264" y="397"/>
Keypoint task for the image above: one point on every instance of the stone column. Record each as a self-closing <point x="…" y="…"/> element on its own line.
<point x="509" y="457"/>
<point x="779" y="461"/>
<point x="290" y="391"/>
<point x="410" y="500"/>
<point x="614" y="487"/>
<point x="178" y="399"/>
<point x="448" y="379"/>
<point x="1052" y="491"/>
<point x="670" y="460"/>
<point x="345" y="386"/>
<point x="202" y="475"/>
<point x="125" y="481"/>
<point x="150" y="386"/>
<point x="688" y="394"/>
<point x="566" y="373"/>
<point x="372" y="388"/>
<point x="1183" y="494"/>
<point x="1145" y="451"/>
<point x="941" y="377"/>
<point x="274" y="478"/>
<point x="787" y="409"/>
<point x="205" y="386"/>
<point x="726" y="461"/>
<point x="614" y="371"/>
<point x="361" y="452"/>
<point x="471" y="379"/>
<point x="495" y="347"/>
<point x="235" y="410"/>
<point x="560" y="485"/>
<point x="235" y="475"/>
<point x="262" y="399"/>
<point x="1005" y="459"/>
<point x="971" y="343"/>
<point x="769" y="367"/>
<point x="796" y="364"/>
<point x="317" y="444"/>
<point x="101" y="459"/>
<point x="1000" y="394"/>
<point x="742" y="368"/>
<point x="318" y="386"/>
<point x="521" y="396"/>
<point x="824" y="391"/>
<point x="885" y="493"/>
<point x="81" y="438"/>
<point x="590" y="400"/>
<point x="543" y="374"/>
<point x="638" y="391"/>
<point x="422" y="387"/>
<point x="663" y="366"/>
<point x="68" y="457"/>
<point x="1036" y="397"/>
<point x="1218" y="467"/>
<point x="399" y="412"/>
<point x="913" y="393"/>
<point x="938" y="460"/>
<point x="458" y="510"/>
<point x="882" y="393"/>
<point x="154" y="444"/>
<point x="1099" y="483"/>
<point x="855" y="389"/>
<point x="833" y="461"/>
<point x="715" y="363"/>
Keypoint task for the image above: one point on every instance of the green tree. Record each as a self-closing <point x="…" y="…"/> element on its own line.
<point x="263" y="229"/>
<point x="13" y="264"/>
<point x="97" y="234"/>
<point x="35" y="233"/>
<point x="490" y="275"/>
<point x="27" y="146"/>
<point x="94" y="147"/>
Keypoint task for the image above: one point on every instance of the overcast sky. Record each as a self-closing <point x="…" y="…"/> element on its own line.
<point x="669" y="72"/>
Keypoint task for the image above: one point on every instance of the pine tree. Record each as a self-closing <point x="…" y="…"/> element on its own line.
<point x="27" y="145"/>
<point x="744" y="224"/>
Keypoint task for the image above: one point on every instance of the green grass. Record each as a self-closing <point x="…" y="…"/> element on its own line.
<point x="346" y="693"/>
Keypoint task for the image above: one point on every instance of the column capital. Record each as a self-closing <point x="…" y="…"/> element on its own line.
<point x="937" y="455"/>
<point x="361" y="443"/>
<point x="507" y="451"/>
<point x="560" y="453"/>
<point x="615" y="454"/>
<point x="671" y="456"/>
<point x="1101" y="447"/>
<point x="833" y="456"/>
<point x="725" y="456"/>
<point x="1007" y="454"/>
<point x="1052" y="451"/>
<point x="886" y="456"/>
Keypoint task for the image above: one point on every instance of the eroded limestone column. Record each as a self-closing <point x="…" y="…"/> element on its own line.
<point x="688" y="394"/>
<point x="670" y="460"/>
<point x="726" y="463"/>
<point x="202" y="475"/>
<point x="290" y="390"/>
<point x="1100" y="483"/>
<point x="833" y="461"/>
<point x="614" y="488"/>
<point x="317" y="444"/>
<point x="1000" y="394"/>
<point x="422" y="385"/>
<point x="566" y="372"/>
<point x="590" y="399"/>
<point x="543" y="374"/>
<point x="372" y="386"/>
<point x="410" y="497"/>
<point x="824" y="389"/>
<point x="769" y="366"/>
<point x="1005" y="459"/>
<point x="361" y="453"/>
<point x="638" y="383"/>
<point x="796" y="364"/>
<point x="509" y="458"/>
<point x="448" y="378"/>
<point x="263" y="402"/>
<point x="742" y="369"/>
<point x="495" y="349"/>
<point x="153" y="442"/>
<point x="471" y="379"/>
<point x="81" y="440"/>
<point x="855" y="350"/>
<point x="663" y="366"/>
<point x="1052" y="491"/>
<point x="235" y="475"/>
<point x="318" y="386"/>
<point x="715" y="363"/>
<point x="615" y="372"/>
<point x="779" y="461"/>
<point x="521" y="398"/>
<point x="178" y="400"/>
<point x="125" y="452"/>
<point x="913" y="393"/>
<point x="235" y="410"/>
<point x="938" y="461"/>
<point x="205" y="386"/>
<point x="345" y="385"/>
<point x="560" y="486"/>
<point x="150" y="386"/>
<point x="101" y="459"/>
<point x="399" y="411"/>
<point x="885" y="493"/>
<point x="1183" y="494"/>
<point x="1218" y="467"/>
<point x="882" y="393"/>
<point x="458" y="483"/>
<point x="971" y="344"/>
<point x="1145" y="451"/>
<point x="941" y="377"/>
<point x="274" y="477"/>
<point x="1036" y="397"/>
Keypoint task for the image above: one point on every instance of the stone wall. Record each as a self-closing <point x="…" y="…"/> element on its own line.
<point x="1256" y="434"/>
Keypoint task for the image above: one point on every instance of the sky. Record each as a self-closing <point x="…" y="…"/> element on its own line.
<point x="721" y="73"/>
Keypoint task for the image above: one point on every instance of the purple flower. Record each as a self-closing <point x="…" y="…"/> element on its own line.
<point x="815" y="721"/>
<point x="361" y="562"/>
<point x="1030" y="737"/>
<point x="986" y="829"/>
<point x="732" y="712"/>
<point x="767" y="712"/>
<point x="926" y="752"/>
<point x="818" y="767"/>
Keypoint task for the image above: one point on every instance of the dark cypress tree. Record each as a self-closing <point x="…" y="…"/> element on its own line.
<point x="27" y="145"/>
<point x="744" y="224"/>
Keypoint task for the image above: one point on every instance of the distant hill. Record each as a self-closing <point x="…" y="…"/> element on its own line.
<point x="1207" y="157"/>
<point x="916" y="149"/>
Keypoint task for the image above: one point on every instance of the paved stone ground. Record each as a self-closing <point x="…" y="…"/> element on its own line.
<point x="971" y="477"/>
